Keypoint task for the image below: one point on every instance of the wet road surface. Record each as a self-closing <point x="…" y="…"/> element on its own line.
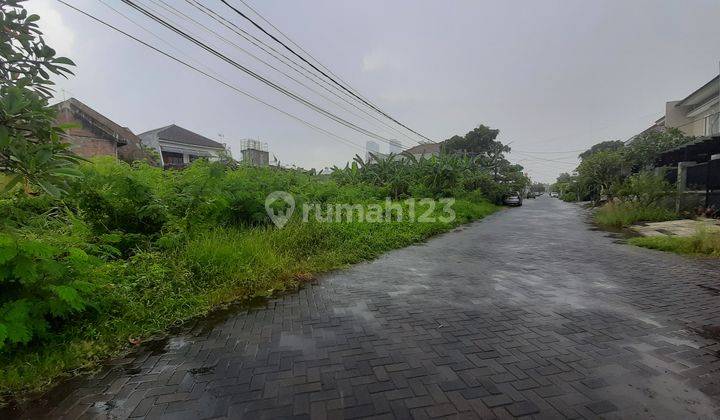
<point x="530" y="312"/>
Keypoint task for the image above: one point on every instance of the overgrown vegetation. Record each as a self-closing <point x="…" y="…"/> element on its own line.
<point x="637" y="199"/>
<point x="132" y="250"/>
<point x="98" y="254"/>
<point x="624" y="214"/>
<point x="605" y="167"/>
<point x="702" y="243"/>
<point x="472" y="162"/>
<point x="620" y="175"/>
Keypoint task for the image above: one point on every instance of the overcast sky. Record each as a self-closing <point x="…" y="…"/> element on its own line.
<point x="554" y="76"/>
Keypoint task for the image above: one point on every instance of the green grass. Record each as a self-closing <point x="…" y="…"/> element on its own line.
<point x="159" y="288"/>
<point x="702" y="243"/>
<point x="626" y="214"/>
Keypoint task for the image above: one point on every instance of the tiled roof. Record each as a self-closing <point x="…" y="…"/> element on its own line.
<point x="181" y="135"/>
<point x="424" y="149"/>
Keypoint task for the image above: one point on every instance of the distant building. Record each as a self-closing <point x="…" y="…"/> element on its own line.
<point x="255" y="153"/>
<point x="395" y="147"/>
<point x="95" y="134"/>
<point x="178" y="147"/>
<point x="371" y="147"/>
<point x="698" y="114"/>
<point x="425" y="149"/>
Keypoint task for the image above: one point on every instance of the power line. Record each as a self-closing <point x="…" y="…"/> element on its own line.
<point x="126" y="17"/>
<point x="261" y="44"/>
<point x="298" y="46"/>
<point x="289" y="62"/>
<point x="601" y="128"/>
<point x="550" y="153"/>
<point x="190" y="66"/>
<point x="543" y="159"/>
<point x="210" y="13"/>
<point x="180" y="13"/>
<point x="319" y="70"/>
<point x="255" y="75"/>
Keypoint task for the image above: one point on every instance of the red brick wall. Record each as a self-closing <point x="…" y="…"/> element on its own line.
<point x="82" y="141"/>
<point x="88" y="146"/>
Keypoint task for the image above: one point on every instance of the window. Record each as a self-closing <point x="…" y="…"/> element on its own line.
<point x="712" y="124"/>
<point x="171" y="158"/>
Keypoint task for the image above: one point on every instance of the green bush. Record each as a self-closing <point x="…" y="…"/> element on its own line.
<point x="41" y="283"/>
<point x="620" y="215"/>
<point x="569" y="196"/>
<point x="702" y="243"/>
<point x="132" y="250"/>
<point x="114" y="197"/>
<point x="645" y="189"/>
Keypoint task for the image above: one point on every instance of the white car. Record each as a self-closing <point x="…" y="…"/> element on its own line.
<point x="554" y="194"/>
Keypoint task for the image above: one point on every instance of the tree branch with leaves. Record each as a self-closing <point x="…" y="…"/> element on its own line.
<point x="32" y="150"/>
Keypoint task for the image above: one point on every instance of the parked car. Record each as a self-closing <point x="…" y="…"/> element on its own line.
<point x="531" y="195"/>
<point x="554" y="194"/>
<point x="514" y="199"/>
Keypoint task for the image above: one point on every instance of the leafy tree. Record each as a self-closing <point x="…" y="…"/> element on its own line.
<point x="479" y="140"/>
<point x="609" y="145"/>
<point x="482" y="146"/>
<point x="644" y="149"/>
<point x="31" y="148"/>
<point x="564" y="177"/>
<point x="537" y="187"/>
<point x="600" y="171"/>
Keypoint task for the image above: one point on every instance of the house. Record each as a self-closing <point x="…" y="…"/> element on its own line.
<point x="425" y="149"/>
<point x="178" y="146"/>
<point x="93" y="134"/>
<point x="698" y="114"/>
<point x="695" y="169"/>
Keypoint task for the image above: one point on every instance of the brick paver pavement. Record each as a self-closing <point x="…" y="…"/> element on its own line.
<point x="527" y="313"/>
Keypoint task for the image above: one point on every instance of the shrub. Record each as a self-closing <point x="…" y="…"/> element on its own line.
<point x="113" y="197"/>
<point x="625" y="214"/>
<point x="133" y="249"/>
<point x="41" y="283"/>
<point x="644" y="188"/>
<point x="702" y="243"/>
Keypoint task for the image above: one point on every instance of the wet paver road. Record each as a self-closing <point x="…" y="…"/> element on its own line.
<point x="527" y="313"/>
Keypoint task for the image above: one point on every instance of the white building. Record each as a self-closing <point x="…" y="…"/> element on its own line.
<point x="395" y="146"/>
<point x="178" y="147"/>
<point x="371" y="147"/>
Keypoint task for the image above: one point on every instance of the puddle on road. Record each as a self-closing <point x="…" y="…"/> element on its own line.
<point x="408" y="289"/>
<point x="573" y="291"/>
<point x="298" y="342"/>
<point x="619" y="235"/>
<point x="662" y="392"/>
<point x="176" y="338"/>
<point x="358" y="310"/>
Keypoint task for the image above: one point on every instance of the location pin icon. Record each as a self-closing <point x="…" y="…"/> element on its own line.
<point x="281" y="218"/>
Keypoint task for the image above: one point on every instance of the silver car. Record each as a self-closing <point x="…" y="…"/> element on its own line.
<point x="513" y="200"/>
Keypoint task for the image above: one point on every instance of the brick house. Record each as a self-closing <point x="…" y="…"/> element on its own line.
<point x="178" y="146"/>
<point x="96" y="135"/>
